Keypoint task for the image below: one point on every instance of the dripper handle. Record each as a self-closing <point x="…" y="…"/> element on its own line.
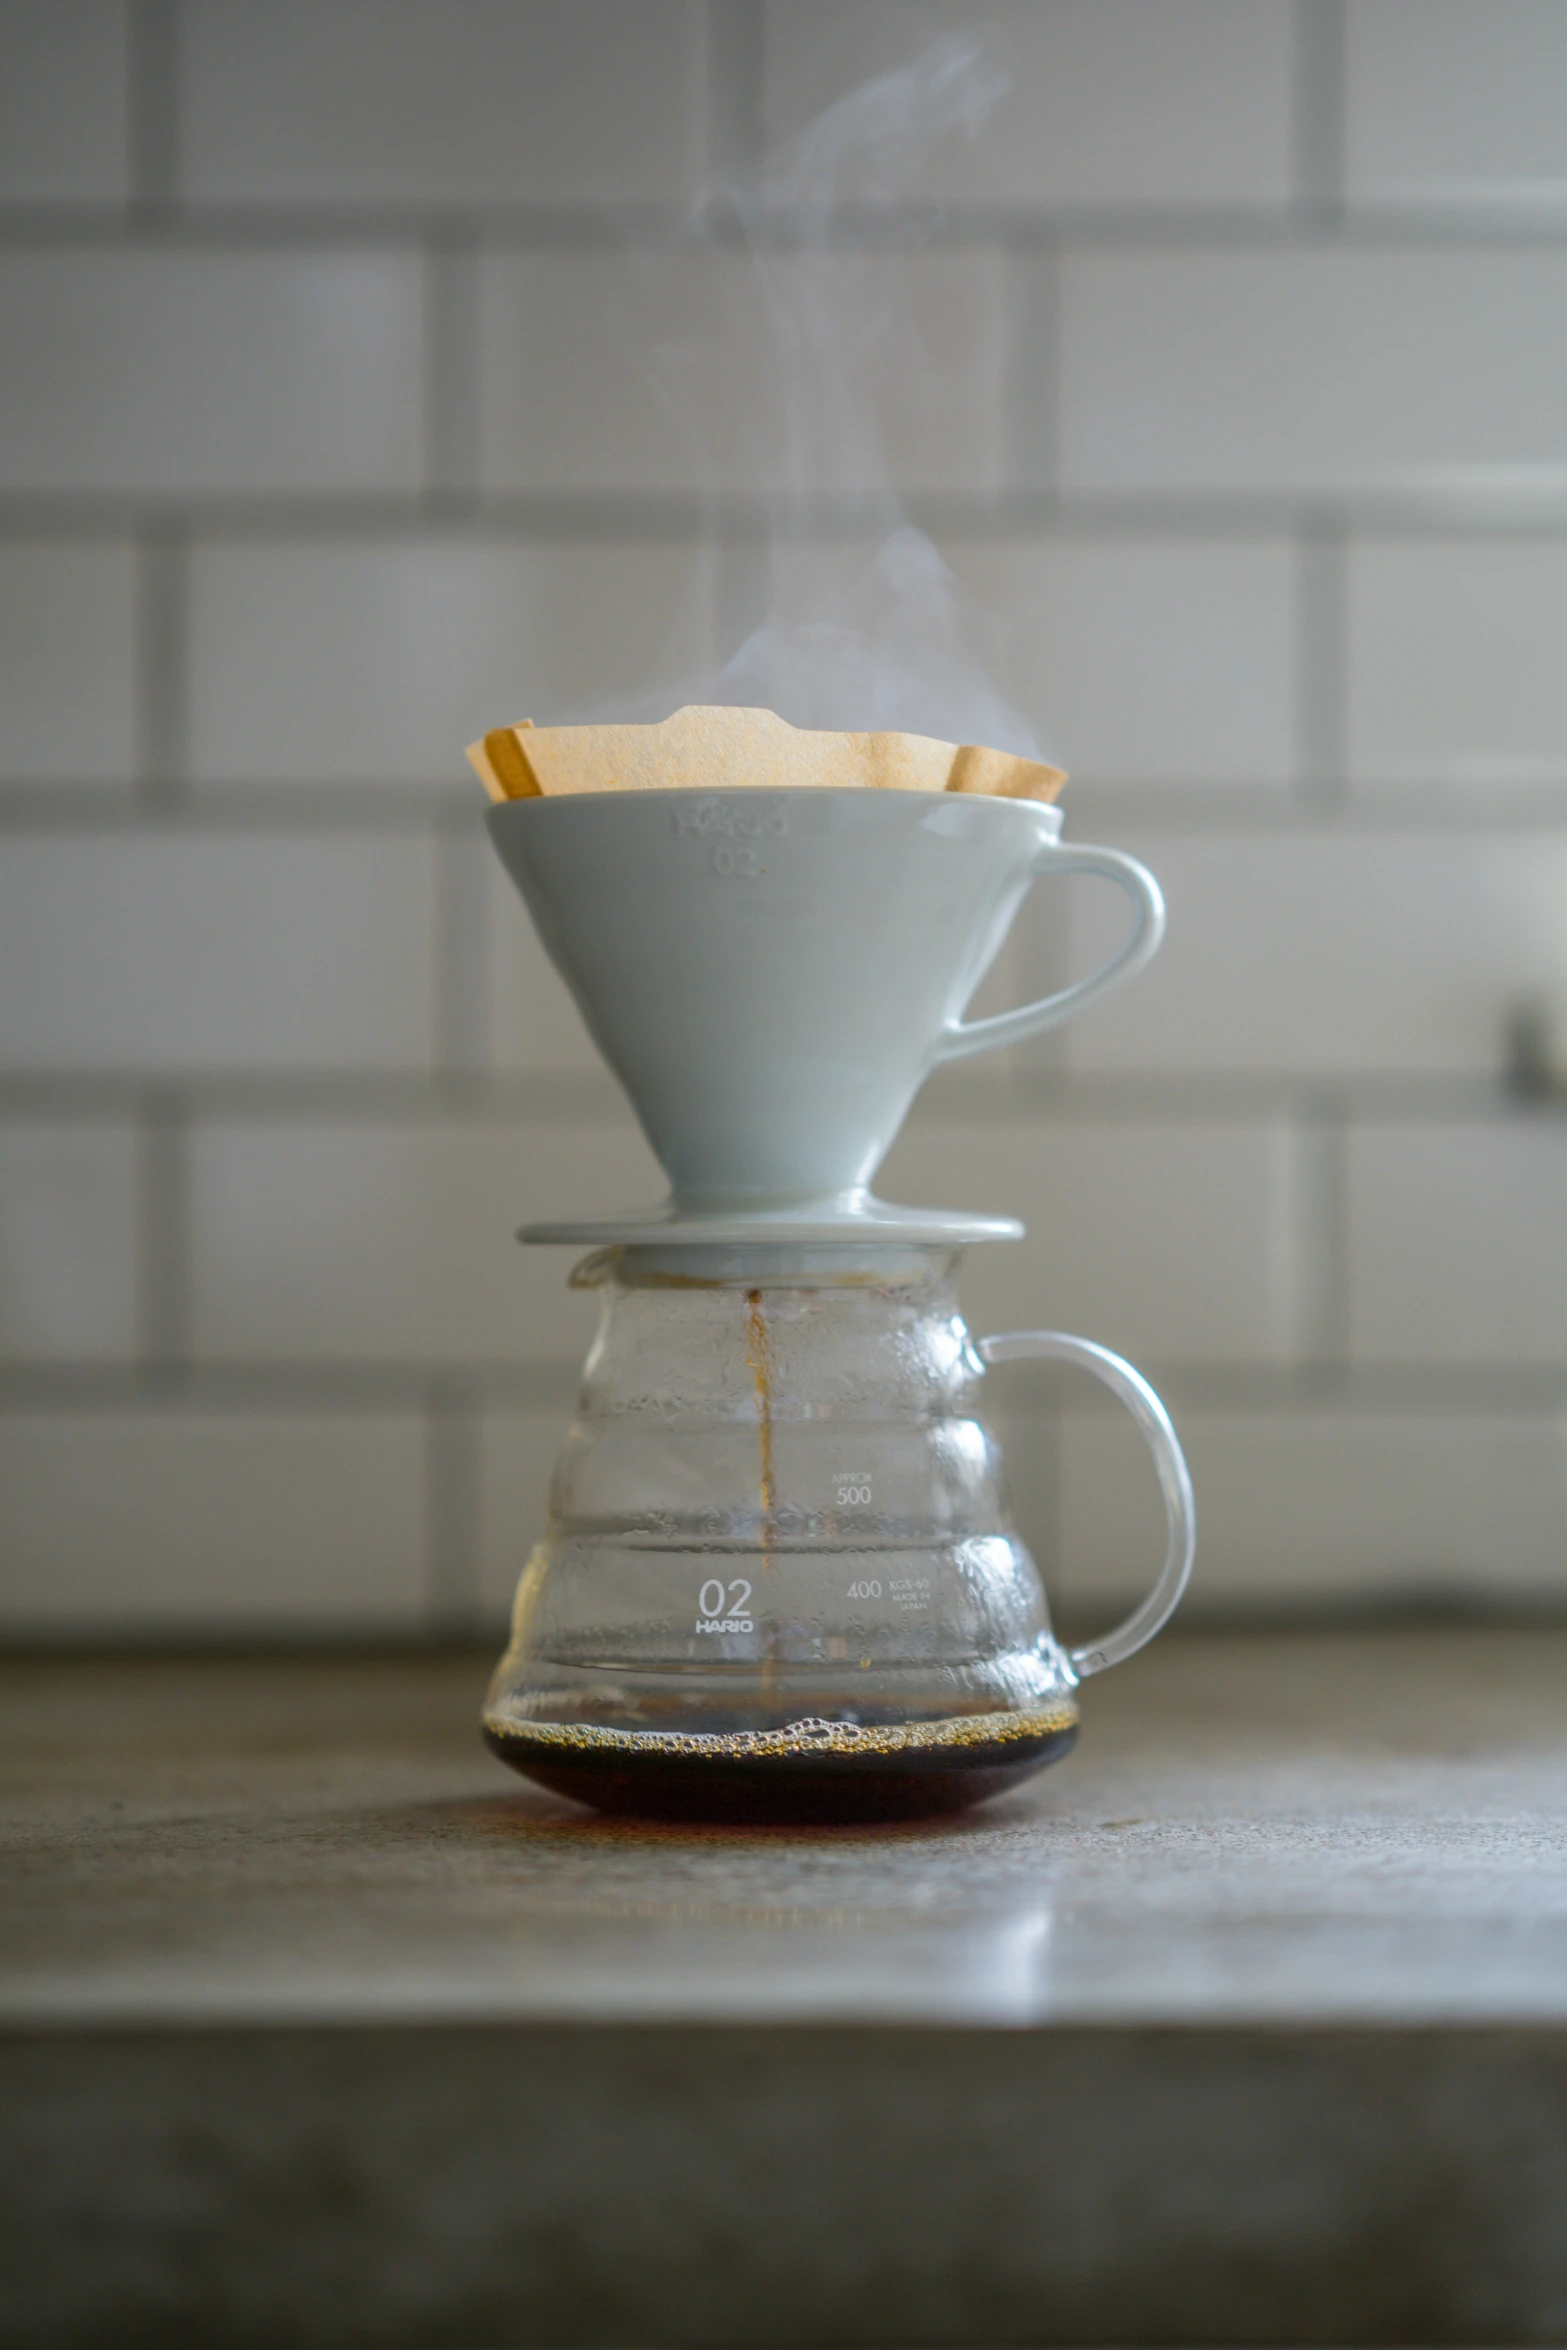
<point x="1175" y="1483"/>
<point x="983" y="1036"/>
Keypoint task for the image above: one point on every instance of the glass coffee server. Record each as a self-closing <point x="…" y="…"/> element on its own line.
<point x="778" y="1575"/>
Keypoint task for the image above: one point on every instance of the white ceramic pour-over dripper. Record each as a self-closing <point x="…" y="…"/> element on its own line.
<point x="773" y="974"/>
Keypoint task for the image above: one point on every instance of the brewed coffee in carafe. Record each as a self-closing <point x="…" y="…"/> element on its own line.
<point x="777" y="1577"/>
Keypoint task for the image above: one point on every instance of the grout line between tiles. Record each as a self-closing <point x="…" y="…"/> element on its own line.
<point x="152" y="112"/>
<point x="1320" y="1238"/>
<point x="588" y="1098"/>
<point x="451" y="368"/>
<point x="736" y="70"/>
<point x="1032" y="397"/>
<point x="1316" y="217"/>
<point x="1317" y="69"/>
<point x="285" y="1384"/>
<point x="452" y="1470"/>
<point x="462" y="953"/>
<point x="689" y="517"/>
<point x="163" y="1233"/>
<point x="162" y="667"/>
<point x="1321" y="667"/>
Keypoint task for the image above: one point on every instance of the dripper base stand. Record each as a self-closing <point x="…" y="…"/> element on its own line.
<point x="862" y="1223"/>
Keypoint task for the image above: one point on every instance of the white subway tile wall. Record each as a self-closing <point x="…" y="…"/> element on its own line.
<point x="373" y="372"/>
<point x="141" y="370"/>
<point x="67" y="663"/>
<point x="1319" y="1503"/>
<point x="1450" y="1241"/>
<point x="1150" y="660"/>
<point x="1168" y="1240"/>
<point x="68" y="1242"/>
<point x="442" y="102"/>
<point x="376" y="1242"/>
<point x="1349" y="952"/>
<point x="218" y="950"/>
<point x="1455" y="662"/>
<point x="1455" y="104"/>
<point x="64" y="128"/>
<point x="1348" y="370"/>
<point x="384" y="659"/>
<point x="195" y="1523"/>
<point x="657" y="371"/>
<point x="1108" y="102"/>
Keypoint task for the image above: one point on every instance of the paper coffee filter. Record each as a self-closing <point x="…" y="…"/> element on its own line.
<point x="716" y="748"/>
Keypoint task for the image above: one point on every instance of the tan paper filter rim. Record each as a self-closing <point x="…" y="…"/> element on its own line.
<point x="707" y="747"/>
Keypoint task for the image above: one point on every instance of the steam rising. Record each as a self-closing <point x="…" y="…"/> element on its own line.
<point x="885" y="649"/>
<point x="869" y="629"/>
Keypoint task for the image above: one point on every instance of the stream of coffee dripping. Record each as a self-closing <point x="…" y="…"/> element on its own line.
<point x="759" y="1355"/>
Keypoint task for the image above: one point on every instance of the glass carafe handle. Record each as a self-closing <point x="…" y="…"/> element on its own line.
<point x="1016" y="1346"/>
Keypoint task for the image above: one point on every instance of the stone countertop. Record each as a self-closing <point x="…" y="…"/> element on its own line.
<point x="1245" y="2023"/>
<point x="1306" y="1827"/>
